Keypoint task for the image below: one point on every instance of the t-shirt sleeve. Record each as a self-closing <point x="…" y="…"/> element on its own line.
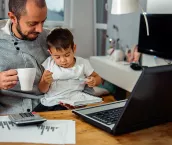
<point x="88" y="69"/>
<point x="47" y="63"/>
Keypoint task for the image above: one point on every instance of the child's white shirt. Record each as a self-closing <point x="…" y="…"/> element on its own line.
<point x="67" y="82"/>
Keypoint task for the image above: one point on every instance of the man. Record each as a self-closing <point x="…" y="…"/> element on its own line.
<point x="22" y="45"/>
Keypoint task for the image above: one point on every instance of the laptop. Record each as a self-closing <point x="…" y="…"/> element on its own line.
<point x="149" y="104"/>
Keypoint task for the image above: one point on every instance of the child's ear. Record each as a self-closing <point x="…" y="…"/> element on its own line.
<point x="74" y="48"/>
<point x="49" y="51"/>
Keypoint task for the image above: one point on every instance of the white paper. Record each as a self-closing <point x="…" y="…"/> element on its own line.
<point x="81" y="99"/>
<point x="49" y="132"/>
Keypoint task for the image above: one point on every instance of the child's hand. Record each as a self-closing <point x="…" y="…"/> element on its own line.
<point x="47" y="77"/>
<point x="69" y="107"/>
<point x="91" y="81"/>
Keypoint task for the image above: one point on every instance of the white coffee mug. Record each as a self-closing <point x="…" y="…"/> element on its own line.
<point x="26" y="78"/>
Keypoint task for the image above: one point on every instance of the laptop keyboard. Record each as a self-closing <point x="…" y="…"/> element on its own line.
<point x="108" y="117"/>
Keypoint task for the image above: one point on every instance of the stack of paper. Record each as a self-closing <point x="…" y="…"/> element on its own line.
<point x="80" y="100"/>
<point x="50" y="132"/>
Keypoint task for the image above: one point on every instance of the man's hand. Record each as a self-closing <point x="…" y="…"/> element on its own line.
<point x="91" y="81"/>
<point x="47" y="77"/>
<point x="8" y="79"/>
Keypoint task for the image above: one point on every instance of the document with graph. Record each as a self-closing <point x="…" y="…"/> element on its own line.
<point x="50" y="132"/>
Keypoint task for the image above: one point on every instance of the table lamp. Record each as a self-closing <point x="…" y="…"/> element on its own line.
<point x="128" y="6"/>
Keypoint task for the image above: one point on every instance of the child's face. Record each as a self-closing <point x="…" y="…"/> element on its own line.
<point x="63" y="58"/>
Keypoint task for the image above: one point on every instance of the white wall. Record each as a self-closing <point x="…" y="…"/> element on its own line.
<point x="83" y="27"/>
<point x="159" y="6"/>
<point x="128" y="26"/>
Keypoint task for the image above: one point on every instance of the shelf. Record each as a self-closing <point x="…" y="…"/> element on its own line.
<point x="118" y="73"/>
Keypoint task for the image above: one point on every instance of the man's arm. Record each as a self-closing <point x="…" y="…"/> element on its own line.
<point x="8" y="79"/>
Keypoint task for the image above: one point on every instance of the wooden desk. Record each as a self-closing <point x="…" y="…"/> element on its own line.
<point x="89" y="135"/>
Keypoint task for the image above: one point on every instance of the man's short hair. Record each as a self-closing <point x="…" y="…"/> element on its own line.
<point x="60" y="38"/>
<point x="18" y="7"/>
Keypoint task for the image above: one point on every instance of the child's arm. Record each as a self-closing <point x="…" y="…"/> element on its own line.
<point x="93" y="80"/>
<point x="45" y="82"/>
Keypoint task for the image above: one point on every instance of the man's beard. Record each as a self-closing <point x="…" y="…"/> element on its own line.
<point x="23" y="36"/>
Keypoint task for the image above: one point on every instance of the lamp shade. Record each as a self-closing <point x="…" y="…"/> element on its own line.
<point x="124" y="6"/>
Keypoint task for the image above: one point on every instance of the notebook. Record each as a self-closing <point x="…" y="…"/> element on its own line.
<point x="149" y="104"/>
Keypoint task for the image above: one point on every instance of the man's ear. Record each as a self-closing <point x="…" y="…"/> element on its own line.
<point x="12" y="17"/>
<point x="74" y="48"/>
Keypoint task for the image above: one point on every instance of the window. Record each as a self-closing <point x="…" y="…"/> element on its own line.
<point x="59" y="13"/>
<point x="55" y="11"/>
<point x="100" y="21"/>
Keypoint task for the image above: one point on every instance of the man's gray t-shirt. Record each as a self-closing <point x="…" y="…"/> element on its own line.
<point x="16" y="53"/>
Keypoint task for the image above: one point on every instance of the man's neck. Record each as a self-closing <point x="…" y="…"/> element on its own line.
<point x="15" y="32"/>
